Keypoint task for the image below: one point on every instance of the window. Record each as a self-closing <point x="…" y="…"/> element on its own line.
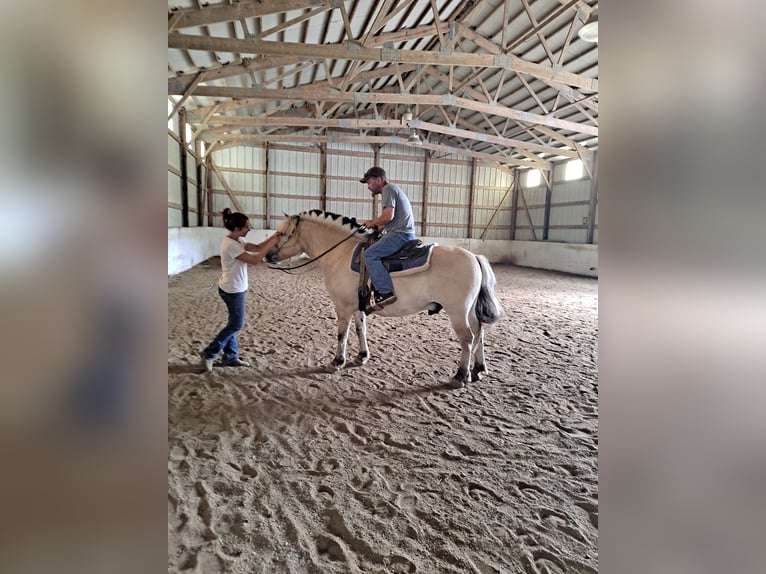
<point x="188" y="133"/>
<point x="573" y="170"/>
<point x="533" y="178"/>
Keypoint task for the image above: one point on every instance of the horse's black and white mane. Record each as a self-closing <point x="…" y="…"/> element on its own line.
<point x="349" y="223"/>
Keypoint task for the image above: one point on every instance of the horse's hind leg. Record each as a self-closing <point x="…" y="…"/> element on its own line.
<point x="465" y="337"/>
<point x="479" y="364"/>
<point x="360" y="321"/>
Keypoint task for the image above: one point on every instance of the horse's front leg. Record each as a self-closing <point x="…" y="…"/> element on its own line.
<point x="344" y="319"/>
<point x="360" y="320"/>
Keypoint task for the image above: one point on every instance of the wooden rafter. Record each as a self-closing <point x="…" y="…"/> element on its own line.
<point x="292" y="22"/>
<point x="540" y="37"/>
<point x="226" y="186"/>
<point x="311" y="94"/>
<point x="188" y="18"/>
<point x="213" y="44"/>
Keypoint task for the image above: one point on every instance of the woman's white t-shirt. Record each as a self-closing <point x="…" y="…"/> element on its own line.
<point x="233" y="271"/>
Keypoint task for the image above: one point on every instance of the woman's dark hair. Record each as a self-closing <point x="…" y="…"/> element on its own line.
<point x="233" y="220"/>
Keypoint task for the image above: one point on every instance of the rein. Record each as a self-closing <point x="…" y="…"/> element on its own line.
<point x="317" y="258"/>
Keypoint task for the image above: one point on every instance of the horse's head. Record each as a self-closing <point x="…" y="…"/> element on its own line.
<point x="288" y="244"/>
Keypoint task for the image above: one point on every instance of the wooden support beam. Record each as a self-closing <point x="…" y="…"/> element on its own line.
<point x="323" y="176"/>
<point x="191" y="17"/>
<point x="526" y="211"/>
<point x="593" y="200"/>
<point x="426" y="185"/>
<point x="266" y="186"/>
<point x="312" y="95"/>
<point x="547" y="212"/>
<point x="409" y="34"/>
<point x="514" y="202"/>
<point x="200" y="183"/>
<point x="225" y="184"/>
<point x="342" y="52"/>
<point x="540" y="25"/>
<point x="180" y="83"/>
<point x="187" y="92"/>
<point x="497" y="209"/>
<point x="471" y="198"/>
<point x="184" y="174"/>
<point x="292" y="22"/>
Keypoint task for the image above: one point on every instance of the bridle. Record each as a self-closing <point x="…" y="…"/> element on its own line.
<point x="310" y="261"/>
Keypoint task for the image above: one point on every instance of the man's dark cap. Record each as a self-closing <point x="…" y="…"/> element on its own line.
<point x="373" y="172"/>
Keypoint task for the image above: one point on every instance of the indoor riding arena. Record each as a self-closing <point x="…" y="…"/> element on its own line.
<point x="485" y="114"/>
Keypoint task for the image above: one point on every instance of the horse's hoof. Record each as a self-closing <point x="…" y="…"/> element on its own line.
<point x="337" y="365"/>
<point x="455" y="384"/>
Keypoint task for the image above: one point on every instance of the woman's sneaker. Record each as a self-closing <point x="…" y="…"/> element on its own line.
<point x="207" y="362"/>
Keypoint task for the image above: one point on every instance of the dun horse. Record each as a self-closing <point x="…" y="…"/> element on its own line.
<point x="456" y="280"/>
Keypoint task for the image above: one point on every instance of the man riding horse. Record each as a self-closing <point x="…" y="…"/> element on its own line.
<point x="398" y="226"/>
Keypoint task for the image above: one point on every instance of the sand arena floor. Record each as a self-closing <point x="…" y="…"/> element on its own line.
<point x="282" y="467"/>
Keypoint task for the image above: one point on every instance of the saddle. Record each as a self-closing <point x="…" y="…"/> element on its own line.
<point x="413" y="257"/>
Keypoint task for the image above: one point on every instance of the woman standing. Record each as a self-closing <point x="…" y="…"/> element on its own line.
<point x="236" y="253"/>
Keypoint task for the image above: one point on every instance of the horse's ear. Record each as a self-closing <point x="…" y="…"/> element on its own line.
<point x="287" y="215"/>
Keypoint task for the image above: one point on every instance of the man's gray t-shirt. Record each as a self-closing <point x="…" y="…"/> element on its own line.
<point x="403" y="222"/>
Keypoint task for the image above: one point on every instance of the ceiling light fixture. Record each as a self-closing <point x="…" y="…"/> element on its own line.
<point x="414" y="138"/>
<point x="589" y="32"/>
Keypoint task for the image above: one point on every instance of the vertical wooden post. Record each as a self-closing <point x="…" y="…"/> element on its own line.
<point x="471" y="198"/>
<point x="547" y="214"/>
<point x="426" y="185"/>
<point x="209" y="186"/>
<point x="514" y="203"/>
<point x="184" y="174"/>
<point x="376" y="161"/>
<point x="267" y="188"/>
<point x="200" y="183"/>
<point x="593" y="199"/>
<point x="323" y="177"/>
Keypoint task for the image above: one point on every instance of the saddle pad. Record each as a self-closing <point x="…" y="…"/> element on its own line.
<point x="396" y="264"/>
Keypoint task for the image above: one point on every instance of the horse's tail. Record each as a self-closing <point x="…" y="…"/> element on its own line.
<point x="487" y="307"/>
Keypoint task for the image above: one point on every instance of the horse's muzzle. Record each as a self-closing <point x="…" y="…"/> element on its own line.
<point x="271" y="256"/>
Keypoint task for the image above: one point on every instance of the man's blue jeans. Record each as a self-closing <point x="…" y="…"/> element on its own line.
<point x="387" y="245"/>
<point x="226" y="340"/>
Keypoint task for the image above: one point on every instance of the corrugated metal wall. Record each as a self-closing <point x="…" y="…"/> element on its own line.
<point x="493" y="198"/>
<point x="175" y="185"/>
<point x="345" y="195"/>
<point x="244" y="171"/>
<point x="193" y="191"/>
<point x="294" y="180"/>
<point x="457" y="197"/>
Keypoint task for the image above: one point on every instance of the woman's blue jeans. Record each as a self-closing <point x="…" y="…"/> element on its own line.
<point x="226" y="340"/>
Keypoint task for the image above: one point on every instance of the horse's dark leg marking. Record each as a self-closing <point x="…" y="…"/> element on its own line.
<point x="460" y="378"/>
<point x="339" y="361"/>
<point x="477" y="371"/>
<point x="361" y="333"/>
<point x="340" y="354"/>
